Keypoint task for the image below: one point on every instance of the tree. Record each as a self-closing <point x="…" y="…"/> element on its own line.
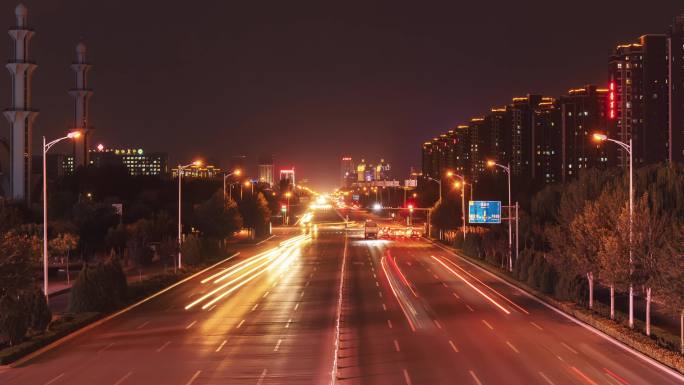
<point x="93" y="220"/>
<point x="99" y="288"/>
<point x="446" y="215"/>
<point x="218" y="217"/>
<point x="256" y="214"/>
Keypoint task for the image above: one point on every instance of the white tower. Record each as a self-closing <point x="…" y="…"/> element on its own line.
<point x="81" y="95"/>
<point x="20" y="115"/>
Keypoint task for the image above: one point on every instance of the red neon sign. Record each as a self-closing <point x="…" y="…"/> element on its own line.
<point x="611" y="98"/>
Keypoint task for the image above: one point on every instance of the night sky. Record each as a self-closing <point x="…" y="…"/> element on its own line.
<point x="311" y="82"/>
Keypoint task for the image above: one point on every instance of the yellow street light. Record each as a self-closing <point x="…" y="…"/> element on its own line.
<point x="197" y="163"/>
<point x="237" y="172"/>
<point x="247" y="183"/>
<point x="449" y="173"/>
<point x="457" y="184"/>
<point x="599" y="137"/>
<point x="491" y="163"/>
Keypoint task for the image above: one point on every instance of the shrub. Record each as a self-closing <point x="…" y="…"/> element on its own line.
<point x="38" y="311"/>
<point x="191" y="250"/>
<point x="99" y="288"/>
<point x="14" y="321"/>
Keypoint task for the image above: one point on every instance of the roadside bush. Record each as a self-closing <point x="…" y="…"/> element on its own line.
<point x="191" y="249"/>
<point x="38" y="311"/>
<point x="14" y="321"/>
<point x="99" y="288"/>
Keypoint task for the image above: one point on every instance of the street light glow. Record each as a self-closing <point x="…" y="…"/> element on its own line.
<point x="237" y="172"/>
<point x="449" y="173"/>
<point x="600" y="137"/>
<point x="457" y="184"/>
<point x="74" y="135"/>
<point x="197" y="163"/>
<point x="491" y="163"/>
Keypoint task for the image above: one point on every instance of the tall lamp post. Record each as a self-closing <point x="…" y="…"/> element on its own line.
<point x="287" y="213"/>
<point x="46" y="148"/>
<point x="180" y="223"/>
<point x="491" y="163"/>
<point x="627" y="147"/>
<point x="225" y="176"/>
<point x="439" y="182"/>
<point x="463" y="186"/>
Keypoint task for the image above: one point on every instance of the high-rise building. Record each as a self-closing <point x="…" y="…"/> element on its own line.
<point x="266" y="169"/>
<point x="499" y="122"/>
<point x="479" y="141"/>
<point x="21" y="114"/>
<point x="676" y="89"/>
<point x="639" y="77"/>
<point x="347" y="174"/>
<point x="81" y="94"/>
<point x="584" y="111"/>
<point x="547" y="142"/>
<point x="136" y="160"/>
<point x="382" y="170"/>
<point x="288" y="175"/>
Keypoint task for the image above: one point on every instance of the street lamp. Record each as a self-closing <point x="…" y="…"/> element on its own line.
<point x="462" y="185"/>
<point x="46" y="148"/>
<point x="627" y="147"/>
<point x="287" y="214"/>
<point x="439" y="182"/>
<point x="196" y="163"/>
<point x="491" y="163"/>
<point x="225" y="176"/>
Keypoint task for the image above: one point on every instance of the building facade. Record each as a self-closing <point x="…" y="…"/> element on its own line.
<point x="266" y="169"/>
<point x="137" y="161"/>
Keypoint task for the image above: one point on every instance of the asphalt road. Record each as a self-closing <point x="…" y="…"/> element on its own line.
<point x="406" y="312"/>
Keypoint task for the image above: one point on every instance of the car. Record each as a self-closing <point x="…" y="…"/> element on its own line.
<point x="370" y="230"/>
<point x="415" y="233"/>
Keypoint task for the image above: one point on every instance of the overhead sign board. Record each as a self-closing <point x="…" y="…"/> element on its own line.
<point x="484" y="212"/>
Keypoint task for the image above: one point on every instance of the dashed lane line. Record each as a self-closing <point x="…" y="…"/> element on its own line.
<point x="124" y="378"/>
<point x="451" y="343"/>
<point x="54" y="379"/>
<point x="221" y="346"/>
<point x="474" y="376"/>
<point x="163" y="346"/>
<point x="194" y="377"/>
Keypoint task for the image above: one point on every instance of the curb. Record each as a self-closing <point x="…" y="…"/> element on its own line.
<point x="99" y="322"/>
<point x="651" y="360"/>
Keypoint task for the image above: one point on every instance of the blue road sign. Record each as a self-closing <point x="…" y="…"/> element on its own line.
<point x="484" y="212"/>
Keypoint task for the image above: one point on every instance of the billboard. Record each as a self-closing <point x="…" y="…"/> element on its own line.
<point x="484" y="212"/>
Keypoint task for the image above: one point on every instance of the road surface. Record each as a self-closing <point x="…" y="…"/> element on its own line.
<point x="330" y="306"/>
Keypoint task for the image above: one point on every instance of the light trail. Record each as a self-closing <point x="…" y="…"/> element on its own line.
<point x="471" y="285"/>
<point x="277" y="258"/>
<point x="396" y="295"/>
<point x="490" y="288"/>
<point x="401" y="275"/>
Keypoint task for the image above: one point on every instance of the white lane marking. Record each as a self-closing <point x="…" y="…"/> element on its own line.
<point x="456" y="295"/>
<point x="190" y="325"/>
<point x="377" y="283"/>
<point x="265" y="294"/>
<point x="336" y="353"/>
<point x="445" y="285"/>
<point x="568" y="347"/>
<point x="407" y="378"/>
<point x="255" y="306"/>
<point x="54" y="379"/>
<point x="453" y="346"/>
<point x="396" y="346"/>
<point x="488" y="325"/>
<point x="163" y="346"/>
<point x="389" y="323"/>
<point x="477" y="380"/>
<point x="301" y="295"/>
<point x="599" y="333"/>
<point x="548" y="380"/>
<point x="240" y="324"/>
<point x="296" y="306"/>
<point x="105" y="348"/>
<point x="142" y="325"/>
<point x="307" y="283"/>
<point x="436" y="276"/>
<point x="375" y="276"/>
<point x="384" y="307"/>
<point x="439" y="326"/>
<point x="490" y="299"/>
<point x="287" y="325"/>
<point x="221" y="346"/>
<point x="380" y="294"/>
<point x="122" y="379"/>
<point x="212" y="307"/>
<point x="470" y="308"/>
<point x="537" y="326"/>
<point x="194" y="377"/>
<point x="510" y="345"/>
<point x="277" y="345"/>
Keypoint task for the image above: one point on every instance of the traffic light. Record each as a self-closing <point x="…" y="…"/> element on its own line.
<point x="283" y="208"/>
